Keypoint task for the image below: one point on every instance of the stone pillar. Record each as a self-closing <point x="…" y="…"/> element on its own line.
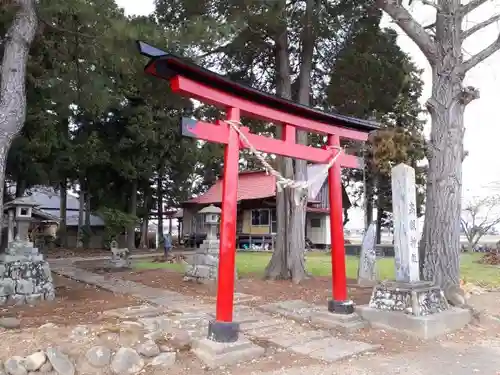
<point x="10" y="226"/>
<point x="404" y="208"/>
<point x="368" y="257"/>
<point x="407" y="294"/>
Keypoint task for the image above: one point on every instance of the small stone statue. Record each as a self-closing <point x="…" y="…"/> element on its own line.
<point x="120" y="258"/>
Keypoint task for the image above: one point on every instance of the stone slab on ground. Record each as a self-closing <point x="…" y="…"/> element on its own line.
<point x="340" y="322"/>
<point x="317" y="315"/>
<point x="445" y="359"/>
<point x="268" y="322"/>
<point x="332" y="349"/>
<point x="214" y="354"/>
<point x="134" y="312"/>
<point x="286" y="334"/>
<point x="424" y="327"/>
<point x="294" y="309"/>
<point x="240" y="298"/>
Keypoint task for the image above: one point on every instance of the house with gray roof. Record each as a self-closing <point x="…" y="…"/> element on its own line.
<point x="48" y="210"/>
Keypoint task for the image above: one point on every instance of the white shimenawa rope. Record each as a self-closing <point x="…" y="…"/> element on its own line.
<point x="283" y="182"/>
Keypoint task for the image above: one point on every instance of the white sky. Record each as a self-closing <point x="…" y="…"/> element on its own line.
<point x="482" y="136"/>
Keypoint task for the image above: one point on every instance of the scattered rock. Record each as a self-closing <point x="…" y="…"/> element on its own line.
<point x="10" y="323"/>
<point x="48" y="326"/>
<point x="98" y="356"/>
<point x="164" y="360"/>
<point x="79" y="332"/>
<point x="180" y="340"/>
<point x="130" y="339"/>
<point x="148" y="348"/>
<point x="109" y="340"/>
<point x="46" y="368"/>
<point x="157" y="335"/>
<point x="34" y="361"/>
<point x="128" y="324"/>
<point x="14" y="366"/>
<point x="60" y="362"/>
<point x="166" y="348"/>
<point x="127" y="362"/>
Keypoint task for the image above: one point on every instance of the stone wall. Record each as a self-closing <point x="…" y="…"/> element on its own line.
<point x="24" y="276"/>
<point x="100" y="351"/>
<point x="417" y="299"/>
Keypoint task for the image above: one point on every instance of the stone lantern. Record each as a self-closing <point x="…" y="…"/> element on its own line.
<point x="25" y="277"/>
<point x="211" y="215"/>
<point x="205" y="262"/>
<point x="20" y="211"/>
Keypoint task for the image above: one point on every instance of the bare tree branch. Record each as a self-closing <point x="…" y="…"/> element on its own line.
<point x="410" y="26"/>
<point x="471" y="5"/>
<point x="481" y="56"/>
<point x="479" y="216"/>
<point x="432" y="4"/>
<point x="479" y="26"/>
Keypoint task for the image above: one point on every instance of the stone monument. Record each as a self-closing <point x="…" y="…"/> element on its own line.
<point x="408" y="304"/>
<point x="25" y="276"/>
<point x="120" y="258"/>
<point x="205" y="263"/>
<point x="368" y="257"/>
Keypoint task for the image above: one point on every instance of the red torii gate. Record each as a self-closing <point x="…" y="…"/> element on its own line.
<point x="198" y="83"/>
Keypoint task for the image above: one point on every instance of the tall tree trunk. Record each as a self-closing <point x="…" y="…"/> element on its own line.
<point x="378" y="236"/>
<point x="441" y="232"/>
<point x="17" y="43"/>
<point x="63" y="203"/>
<point x="278" y="265"/>
<point x="132" y="210"/>
<point x="144" y="243"/>
<point x="298" y="205"/>
<point x="288" y="256"/>
<point x="159" y="187"/>
<point x="87" y="227"/>
<point x="81" y="212"/>
<point x="20" y="187"/>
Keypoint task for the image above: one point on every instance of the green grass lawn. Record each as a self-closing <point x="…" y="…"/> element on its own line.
<point x="319" y="265"/>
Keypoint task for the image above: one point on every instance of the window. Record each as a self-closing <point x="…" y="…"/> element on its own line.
<point x="274" y="223"/>
<point x="315" y="223"/>
<point x="260" y="217"/>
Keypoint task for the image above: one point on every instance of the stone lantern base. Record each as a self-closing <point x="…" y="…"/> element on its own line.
<point x="25" y="277"/>
<point x="205" y="263"/>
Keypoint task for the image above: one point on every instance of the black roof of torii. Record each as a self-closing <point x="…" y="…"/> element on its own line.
<point x="169" y="65"/>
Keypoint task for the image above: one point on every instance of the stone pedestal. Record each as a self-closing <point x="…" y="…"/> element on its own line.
<point x="25" y="276"/>
<point x="417" y="308"/>
<point x="416" y="298"/>
<point x="215" y="354"/>
<point x="205" y="263"/>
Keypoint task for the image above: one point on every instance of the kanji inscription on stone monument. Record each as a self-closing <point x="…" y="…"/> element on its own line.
<point x="404" y="209"/>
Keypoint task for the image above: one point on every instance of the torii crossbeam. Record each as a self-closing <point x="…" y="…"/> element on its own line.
<point x="238" y="100"/>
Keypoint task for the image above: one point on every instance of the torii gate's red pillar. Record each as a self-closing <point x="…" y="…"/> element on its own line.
<point x="223" y="328"/>
<point x="339" y="304"/>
